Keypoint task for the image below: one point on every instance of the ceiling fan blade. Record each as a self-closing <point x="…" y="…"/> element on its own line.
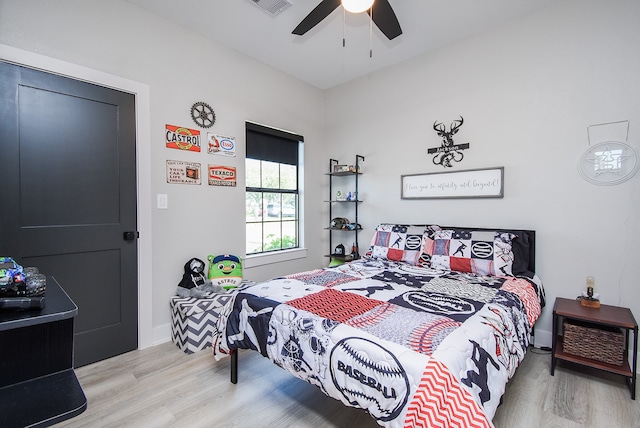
<point x="320" y="12"/>
<point x="385" y="18"/>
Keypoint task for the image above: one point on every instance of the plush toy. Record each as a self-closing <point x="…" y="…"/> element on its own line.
<point x="225" y="270"/>
<point x="194" y="283"/>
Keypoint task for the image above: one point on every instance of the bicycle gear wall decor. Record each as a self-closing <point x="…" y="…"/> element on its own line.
<point x="203" y="115"/>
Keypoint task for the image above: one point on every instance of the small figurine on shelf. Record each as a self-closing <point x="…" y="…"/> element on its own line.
<point x="338" y="223"/>
<point x="354" y="251"/>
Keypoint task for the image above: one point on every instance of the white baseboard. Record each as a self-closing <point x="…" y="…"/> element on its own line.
<point x="542" y="338"/>
<point x="161" y="334"/>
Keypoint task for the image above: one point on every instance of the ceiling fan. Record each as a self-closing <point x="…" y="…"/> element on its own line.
<point x="381" y="13"/>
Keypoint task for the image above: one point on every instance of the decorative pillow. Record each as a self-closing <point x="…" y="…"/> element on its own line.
<point x="428" y="245"/>
<point x="521" y="249"/>
<point x="480" y="252"/>
<point x="397" y="242"/>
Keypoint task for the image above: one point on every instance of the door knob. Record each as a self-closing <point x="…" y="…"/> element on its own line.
<point x="131" y="235"/>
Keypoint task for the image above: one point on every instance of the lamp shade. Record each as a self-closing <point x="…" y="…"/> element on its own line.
<point x="357" y="6"/>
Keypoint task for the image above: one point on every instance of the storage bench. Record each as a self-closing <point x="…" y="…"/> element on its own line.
<point x="193" y="320"/>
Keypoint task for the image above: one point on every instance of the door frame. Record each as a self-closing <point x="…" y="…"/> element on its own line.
<point x="143" y="164"/>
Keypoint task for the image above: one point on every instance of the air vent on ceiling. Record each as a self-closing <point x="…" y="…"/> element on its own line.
<point x="273" y="7"/>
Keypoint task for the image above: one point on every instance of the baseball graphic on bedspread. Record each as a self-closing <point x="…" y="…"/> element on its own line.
<point x="369" y="377"/>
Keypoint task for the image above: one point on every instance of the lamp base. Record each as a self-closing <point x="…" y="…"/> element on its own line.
<point x="590" y="302"/>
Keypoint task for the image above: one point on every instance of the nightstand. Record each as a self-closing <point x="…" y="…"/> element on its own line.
<point x="604" y="317"/>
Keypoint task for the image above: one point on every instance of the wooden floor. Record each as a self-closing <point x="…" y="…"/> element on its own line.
<point x="161" y="386"/>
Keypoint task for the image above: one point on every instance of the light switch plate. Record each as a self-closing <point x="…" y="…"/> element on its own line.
<point x="163" y="201"/>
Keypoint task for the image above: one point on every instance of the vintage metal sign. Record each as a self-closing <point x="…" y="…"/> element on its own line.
<point x="179" y="137"/>
<point x="221" y="145"/>
<point x="220" y="175"/>
<point x="181" y="172"/>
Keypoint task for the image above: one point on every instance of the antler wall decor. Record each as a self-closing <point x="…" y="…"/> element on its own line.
<point x="448" y="151"/>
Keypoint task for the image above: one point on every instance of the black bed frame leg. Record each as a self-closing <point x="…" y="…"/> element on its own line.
<point x="234" y="366"/>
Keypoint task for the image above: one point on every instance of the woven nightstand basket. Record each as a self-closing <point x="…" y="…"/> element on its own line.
<point x="597" y="342"/>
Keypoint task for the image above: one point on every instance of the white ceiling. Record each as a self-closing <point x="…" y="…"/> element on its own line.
<point x="318" y="57"/>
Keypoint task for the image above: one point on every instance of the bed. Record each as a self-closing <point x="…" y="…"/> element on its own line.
<point x="425" y="329"/>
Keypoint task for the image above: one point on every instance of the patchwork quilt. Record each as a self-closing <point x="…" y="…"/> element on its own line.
<point x="413" y="346"/>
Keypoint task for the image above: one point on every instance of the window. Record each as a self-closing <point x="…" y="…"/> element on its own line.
<point x="272" y="194"/>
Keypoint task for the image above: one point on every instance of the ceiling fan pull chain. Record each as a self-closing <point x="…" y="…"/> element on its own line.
<point x="344" y="18"/>
<point x="371" y="32"/>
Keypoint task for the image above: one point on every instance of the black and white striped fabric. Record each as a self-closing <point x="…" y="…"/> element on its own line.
<point x="193" y="320"/>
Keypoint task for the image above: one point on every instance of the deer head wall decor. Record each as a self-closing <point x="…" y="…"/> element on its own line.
<point x="448" y="151"/>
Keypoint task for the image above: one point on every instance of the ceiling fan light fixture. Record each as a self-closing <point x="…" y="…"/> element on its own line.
<point x="357" y="6"/>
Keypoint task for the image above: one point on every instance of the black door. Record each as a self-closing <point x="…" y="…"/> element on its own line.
<point x="68" y="197"/>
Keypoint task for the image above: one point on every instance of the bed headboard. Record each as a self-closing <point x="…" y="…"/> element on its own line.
<point x="524" y="247"/>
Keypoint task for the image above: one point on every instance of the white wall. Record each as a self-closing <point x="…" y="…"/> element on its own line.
<point x="181" y="68"/>
<point x="527" y="92"/>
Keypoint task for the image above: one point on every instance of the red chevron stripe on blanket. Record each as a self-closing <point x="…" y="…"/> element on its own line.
<point x="523" y="289"/>
<point x="440" y="401"/>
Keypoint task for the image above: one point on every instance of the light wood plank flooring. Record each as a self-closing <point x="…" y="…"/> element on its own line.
<point x="161" y="386"/>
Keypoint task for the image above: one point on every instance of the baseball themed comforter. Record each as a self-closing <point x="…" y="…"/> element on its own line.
<point x="413" y="346"/>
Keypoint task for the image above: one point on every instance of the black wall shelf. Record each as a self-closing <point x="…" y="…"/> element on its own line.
<point x="354" y="174"/>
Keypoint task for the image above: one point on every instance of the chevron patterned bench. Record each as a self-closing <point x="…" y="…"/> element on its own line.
<point x="193" y="320"/>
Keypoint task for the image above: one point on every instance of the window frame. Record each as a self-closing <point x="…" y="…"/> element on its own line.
<point x="256" y="151"/>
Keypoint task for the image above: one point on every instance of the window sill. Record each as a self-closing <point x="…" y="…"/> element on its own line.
<point x="256" y="260"/>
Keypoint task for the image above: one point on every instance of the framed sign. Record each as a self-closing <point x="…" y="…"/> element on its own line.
<point x="181" y="172"/>
<point x="220" y="175"/>
<point x="471" y="183"/>
<point x="179" y="137"/>
<point x="221" y="145"/>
